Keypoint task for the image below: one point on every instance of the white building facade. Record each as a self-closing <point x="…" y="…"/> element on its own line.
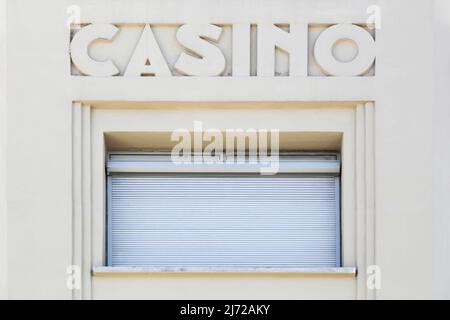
<point x="352" y="95"/>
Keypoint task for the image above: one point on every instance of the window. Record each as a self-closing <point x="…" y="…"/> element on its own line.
<point x="162" y="216"/>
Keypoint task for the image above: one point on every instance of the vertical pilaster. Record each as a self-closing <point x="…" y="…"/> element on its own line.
<point x="77" y="188"/>
<point x="86" y="203"/>
<point x="360" y="201"/>
<point x="370" y="188"/>
<point x="3" y="157"/>
<point x="365" y="196"/>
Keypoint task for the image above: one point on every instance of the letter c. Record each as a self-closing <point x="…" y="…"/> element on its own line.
<point x="79" y="50"/>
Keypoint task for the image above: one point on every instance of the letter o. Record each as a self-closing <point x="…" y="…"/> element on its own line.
<point x="323" y="50"/>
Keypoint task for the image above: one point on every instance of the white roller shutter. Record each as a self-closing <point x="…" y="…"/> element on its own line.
<point x="177" y="219"/>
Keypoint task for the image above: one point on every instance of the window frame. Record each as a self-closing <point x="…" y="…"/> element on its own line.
<point x="311" y="156"/>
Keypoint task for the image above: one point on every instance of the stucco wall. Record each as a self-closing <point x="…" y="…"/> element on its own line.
<point x="410" y="118"/>
<point x="3" y="215"/>
<point x="441" y="176"/>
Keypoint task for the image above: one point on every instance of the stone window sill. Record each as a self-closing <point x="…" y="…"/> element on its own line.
<point x="343" y="272"/>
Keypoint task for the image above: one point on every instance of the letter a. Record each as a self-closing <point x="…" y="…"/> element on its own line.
<point x="147" y="59"/>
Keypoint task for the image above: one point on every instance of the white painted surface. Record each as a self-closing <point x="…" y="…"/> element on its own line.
<point x="3" y="167"/>
<point x="411" y="217"/>
<point x="441" y="158"/>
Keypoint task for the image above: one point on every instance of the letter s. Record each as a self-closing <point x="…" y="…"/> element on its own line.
<point x="193" y="37"/>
